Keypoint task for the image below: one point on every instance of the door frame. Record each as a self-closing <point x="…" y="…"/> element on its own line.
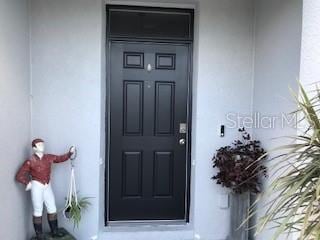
<point x="189" y="44"/>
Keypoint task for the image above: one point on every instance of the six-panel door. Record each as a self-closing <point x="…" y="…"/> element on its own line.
<point x="148" y="104"/>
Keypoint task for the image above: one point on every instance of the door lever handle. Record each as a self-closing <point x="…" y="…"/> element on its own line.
<point x="182" y="141"/>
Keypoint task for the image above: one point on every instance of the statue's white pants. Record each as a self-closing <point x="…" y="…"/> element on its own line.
<point x="42" y="194"/>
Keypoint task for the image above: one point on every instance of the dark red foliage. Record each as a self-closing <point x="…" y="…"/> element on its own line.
<point x="238" y="167"/>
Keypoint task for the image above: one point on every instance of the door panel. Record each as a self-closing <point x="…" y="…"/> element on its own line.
<point x="132" y="108"/>
<point x="164" y="108"/>
<point x="147" y="165"/>
<point x="163" y="174"/>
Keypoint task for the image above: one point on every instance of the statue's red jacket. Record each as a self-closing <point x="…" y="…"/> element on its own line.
<point x="39" y="169"/>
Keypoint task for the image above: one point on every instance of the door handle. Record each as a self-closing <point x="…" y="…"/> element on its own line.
<point x="182" y="141"/>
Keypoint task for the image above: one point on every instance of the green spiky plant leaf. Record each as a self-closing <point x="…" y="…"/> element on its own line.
<point x="74" y="211"/>
<point x="295" y="193"/>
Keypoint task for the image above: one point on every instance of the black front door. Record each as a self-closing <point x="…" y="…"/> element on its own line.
<point x="148" y="174"/>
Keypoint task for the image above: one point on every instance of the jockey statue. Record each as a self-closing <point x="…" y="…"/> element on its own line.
<point x="35" y="175"/>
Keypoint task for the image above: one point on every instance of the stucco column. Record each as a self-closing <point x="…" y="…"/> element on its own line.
<point x="310" y="48"/>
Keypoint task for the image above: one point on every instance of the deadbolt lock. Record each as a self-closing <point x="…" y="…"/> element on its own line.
<point x="183" y="128"/>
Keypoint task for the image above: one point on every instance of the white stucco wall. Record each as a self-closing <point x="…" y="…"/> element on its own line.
<point x="68" y="93"/>
<point x="67" y="69"/>
<point x="310" y="49"/>
<point x="277" y="61"/>
<point x="15" y="215"/>
<point x="66" y="64"/>
<point x="233" y="38"/>
<point x="223" y="85"/>
<point x="276" y="68"/>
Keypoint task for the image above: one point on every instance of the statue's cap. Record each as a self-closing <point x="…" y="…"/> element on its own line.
<point x="35" y="141"/>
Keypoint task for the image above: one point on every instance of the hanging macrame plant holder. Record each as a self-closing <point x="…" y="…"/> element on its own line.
<point x="75" y="205"/>
<point x="72" y="197"/>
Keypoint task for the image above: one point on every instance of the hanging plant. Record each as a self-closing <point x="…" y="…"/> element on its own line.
<point x="74" y="210"/>
<point x="238" y="169"/>
<point x="74" y="205"/>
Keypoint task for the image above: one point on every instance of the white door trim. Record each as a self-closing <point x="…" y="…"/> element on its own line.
<point x="191" y="4"/>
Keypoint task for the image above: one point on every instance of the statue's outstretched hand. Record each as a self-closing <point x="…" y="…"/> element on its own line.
<point x="28" y="187"/>
<point x="73" y="151"/>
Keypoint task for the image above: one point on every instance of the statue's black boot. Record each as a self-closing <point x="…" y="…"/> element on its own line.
<point x="37" y="224"/>
<point x="53" y="223"/>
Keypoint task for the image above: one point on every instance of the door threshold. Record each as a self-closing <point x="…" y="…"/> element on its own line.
<point x="145" y="226"/>
<point x="146" y="223"/>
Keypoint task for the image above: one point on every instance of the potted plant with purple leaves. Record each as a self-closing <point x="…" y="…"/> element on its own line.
<point x="240" y="172"/>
